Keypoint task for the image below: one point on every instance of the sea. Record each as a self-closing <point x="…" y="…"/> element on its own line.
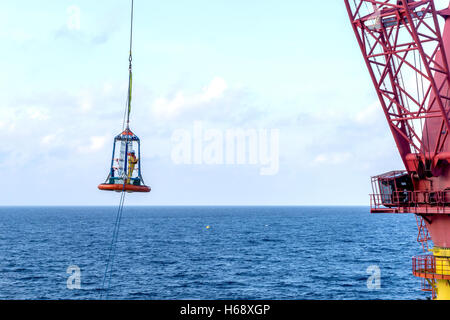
<point x="208" y="253"/>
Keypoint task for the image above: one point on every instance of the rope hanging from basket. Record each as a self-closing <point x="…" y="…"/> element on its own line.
<point x="112" y="248"/>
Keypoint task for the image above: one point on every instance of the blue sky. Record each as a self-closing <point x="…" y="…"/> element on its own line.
<point x="292" y="66"/>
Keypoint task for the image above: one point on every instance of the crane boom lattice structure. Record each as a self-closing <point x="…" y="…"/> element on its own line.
<point x="406" y="54"/>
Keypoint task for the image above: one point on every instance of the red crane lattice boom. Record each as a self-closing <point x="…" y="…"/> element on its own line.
<point x="407" y="58"/>
<point x="402" y="39"/>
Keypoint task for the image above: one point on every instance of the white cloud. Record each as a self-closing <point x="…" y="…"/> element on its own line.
<point x="35" y="113"/>
<point x="96" y="144"/>
<point x="56" y="138"/>
<point x="85" y="102"/>
<point x="48" y="139"/>
<point x="332" y="158"/>
<point x="370" y="114"/>
<point x="73" y="20"/>
<point x="169" y="108"/>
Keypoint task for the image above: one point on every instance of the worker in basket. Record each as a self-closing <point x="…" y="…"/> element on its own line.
<point x="132" y="161"/>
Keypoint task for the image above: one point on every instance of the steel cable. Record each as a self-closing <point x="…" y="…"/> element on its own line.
<point x="113" y="245"/>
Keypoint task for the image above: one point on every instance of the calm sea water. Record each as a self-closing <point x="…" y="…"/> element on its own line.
<point x="169" y="253"/>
